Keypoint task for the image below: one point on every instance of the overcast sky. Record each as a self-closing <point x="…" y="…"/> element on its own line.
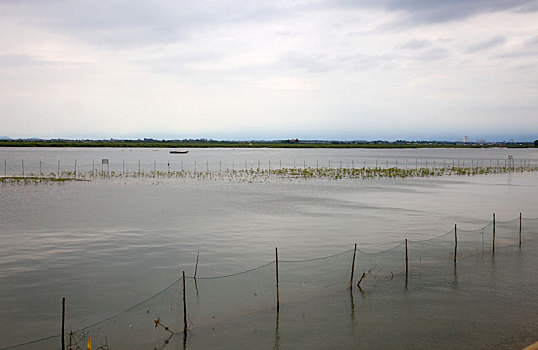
<point x="335" y="69"/>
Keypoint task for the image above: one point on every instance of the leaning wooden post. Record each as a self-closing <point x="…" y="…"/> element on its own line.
<point x="184" y="306"/>
<point x="277" y="295"/>
<point x="353" y="266"/>
<point x="63" y="323"/>
<point x="493" y="244"/>
<point x="406" y="263"/>
<point x="455" y="242"/>
<point x="196" y="267"/>
<point x="519" y="229"/>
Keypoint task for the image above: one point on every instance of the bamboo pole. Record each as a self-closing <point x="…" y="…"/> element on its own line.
<point x="196" y="267"/>
<point x="493" y="244"/>
<point x="277" y="294"/>
<point x="519" y="229"/>
<point x="360" y="279"/>
<point x="455" y="242"/>
<point x="75" y="168"/>
<point x="63" y="323"/>
<point x="406" y="263"/>
<point x="184" y="306"/>
<point x="353" y="266"/>
<point x="22" y="167"/>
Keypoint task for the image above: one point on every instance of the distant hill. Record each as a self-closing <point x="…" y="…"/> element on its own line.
<point x="5" y="138"/>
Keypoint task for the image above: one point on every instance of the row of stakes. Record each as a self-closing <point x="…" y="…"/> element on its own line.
<point x="158" y="322"/>
<point x="510" y="163"/>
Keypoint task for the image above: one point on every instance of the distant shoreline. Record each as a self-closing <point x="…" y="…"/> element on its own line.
<point x="257" y="144"/>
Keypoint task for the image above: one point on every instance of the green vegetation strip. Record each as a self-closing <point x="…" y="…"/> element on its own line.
<point x="36" y="179"/>
<point x="256" y="144"/>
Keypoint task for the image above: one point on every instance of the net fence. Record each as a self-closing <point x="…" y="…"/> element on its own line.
<point x="211" y="301"/>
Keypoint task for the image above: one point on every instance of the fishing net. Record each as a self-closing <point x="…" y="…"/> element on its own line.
<point x="213" y="302"/>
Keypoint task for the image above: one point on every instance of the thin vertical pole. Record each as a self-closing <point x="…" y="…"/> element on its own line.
<point x="196" y="267"/>
<point x="39" y="168"/>
<point x="139" y="167"/>
<point x="207" y="165"/>
<point x="58" y="168"/>
<point x="63" y="323"/>
<point x="406" y="263"/>
<point x="93" y="168"/>
<point x="5" y="167"/>
<point x="493" y="246"/>
<point x="455" y="242"/>
<point x="353" y="266"/>
<point x="519" y="229"/>
<point x="123" y="168"/>
<point x="184" y="306"/>
<point x="277" y="295"/>
<point x="22" y="167"/>
<point x="220" y="166"/>
<point x="75" y="168"/>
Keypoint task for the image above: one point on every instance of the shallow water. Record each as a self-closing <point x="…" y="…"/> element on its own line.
<point x="107" y="244"/>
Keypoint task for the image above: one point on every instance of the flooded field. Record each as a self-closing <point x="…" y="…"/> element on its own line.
<point x="110" y="243"/>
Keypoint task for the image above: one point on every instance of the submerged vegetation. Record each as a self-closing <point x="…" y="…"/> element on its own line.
<point x="37" y="179"/>
<point x="261" y="175"/>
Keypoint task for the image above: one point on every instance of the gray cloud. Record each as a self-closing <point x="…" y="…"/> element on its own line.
<point x="416" y="44"/>
<point x="434" y="54"/>
<point x="486" y="44"/>
<point x="123" y="23"/>
<point x="16" y="60"/>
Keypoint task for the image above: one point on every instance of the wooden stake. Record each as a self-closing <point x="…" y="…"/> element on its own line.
<point x="360" y="279"/>
<point x="22" y="167"/>
<point x="406" y="262"/>
<point x="63" y="323"/>
<point x="455" y="242"/>
<point x="493" y="244"/>
<point x="184" y="306"/>
<point x="196" y="268"/>
<point x="520" y="229"/>
<point x="75" y="168"/>
<point x="353" y="266"/>
<point x="277" y="295"/>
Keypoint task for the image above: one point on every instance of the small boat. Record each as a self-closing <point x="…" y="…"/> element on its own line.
<point x="179" y="152"/>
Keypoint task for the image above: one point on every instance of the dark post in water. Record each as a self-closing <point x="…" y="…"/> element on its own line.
<point x="520" y="230"/>
<point x="493" y="244"/>
<point x="455" y="242"/>
<point x="277" y="296"/>
<point x="63" y="323"/>
<point x="406" y="263"/>
<point x="353" y="266"/>
<point x="184" y="306"/>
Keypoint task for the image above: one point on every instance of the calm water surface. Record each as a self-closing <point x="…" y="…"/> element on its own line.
<point x="107" y="244"/>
